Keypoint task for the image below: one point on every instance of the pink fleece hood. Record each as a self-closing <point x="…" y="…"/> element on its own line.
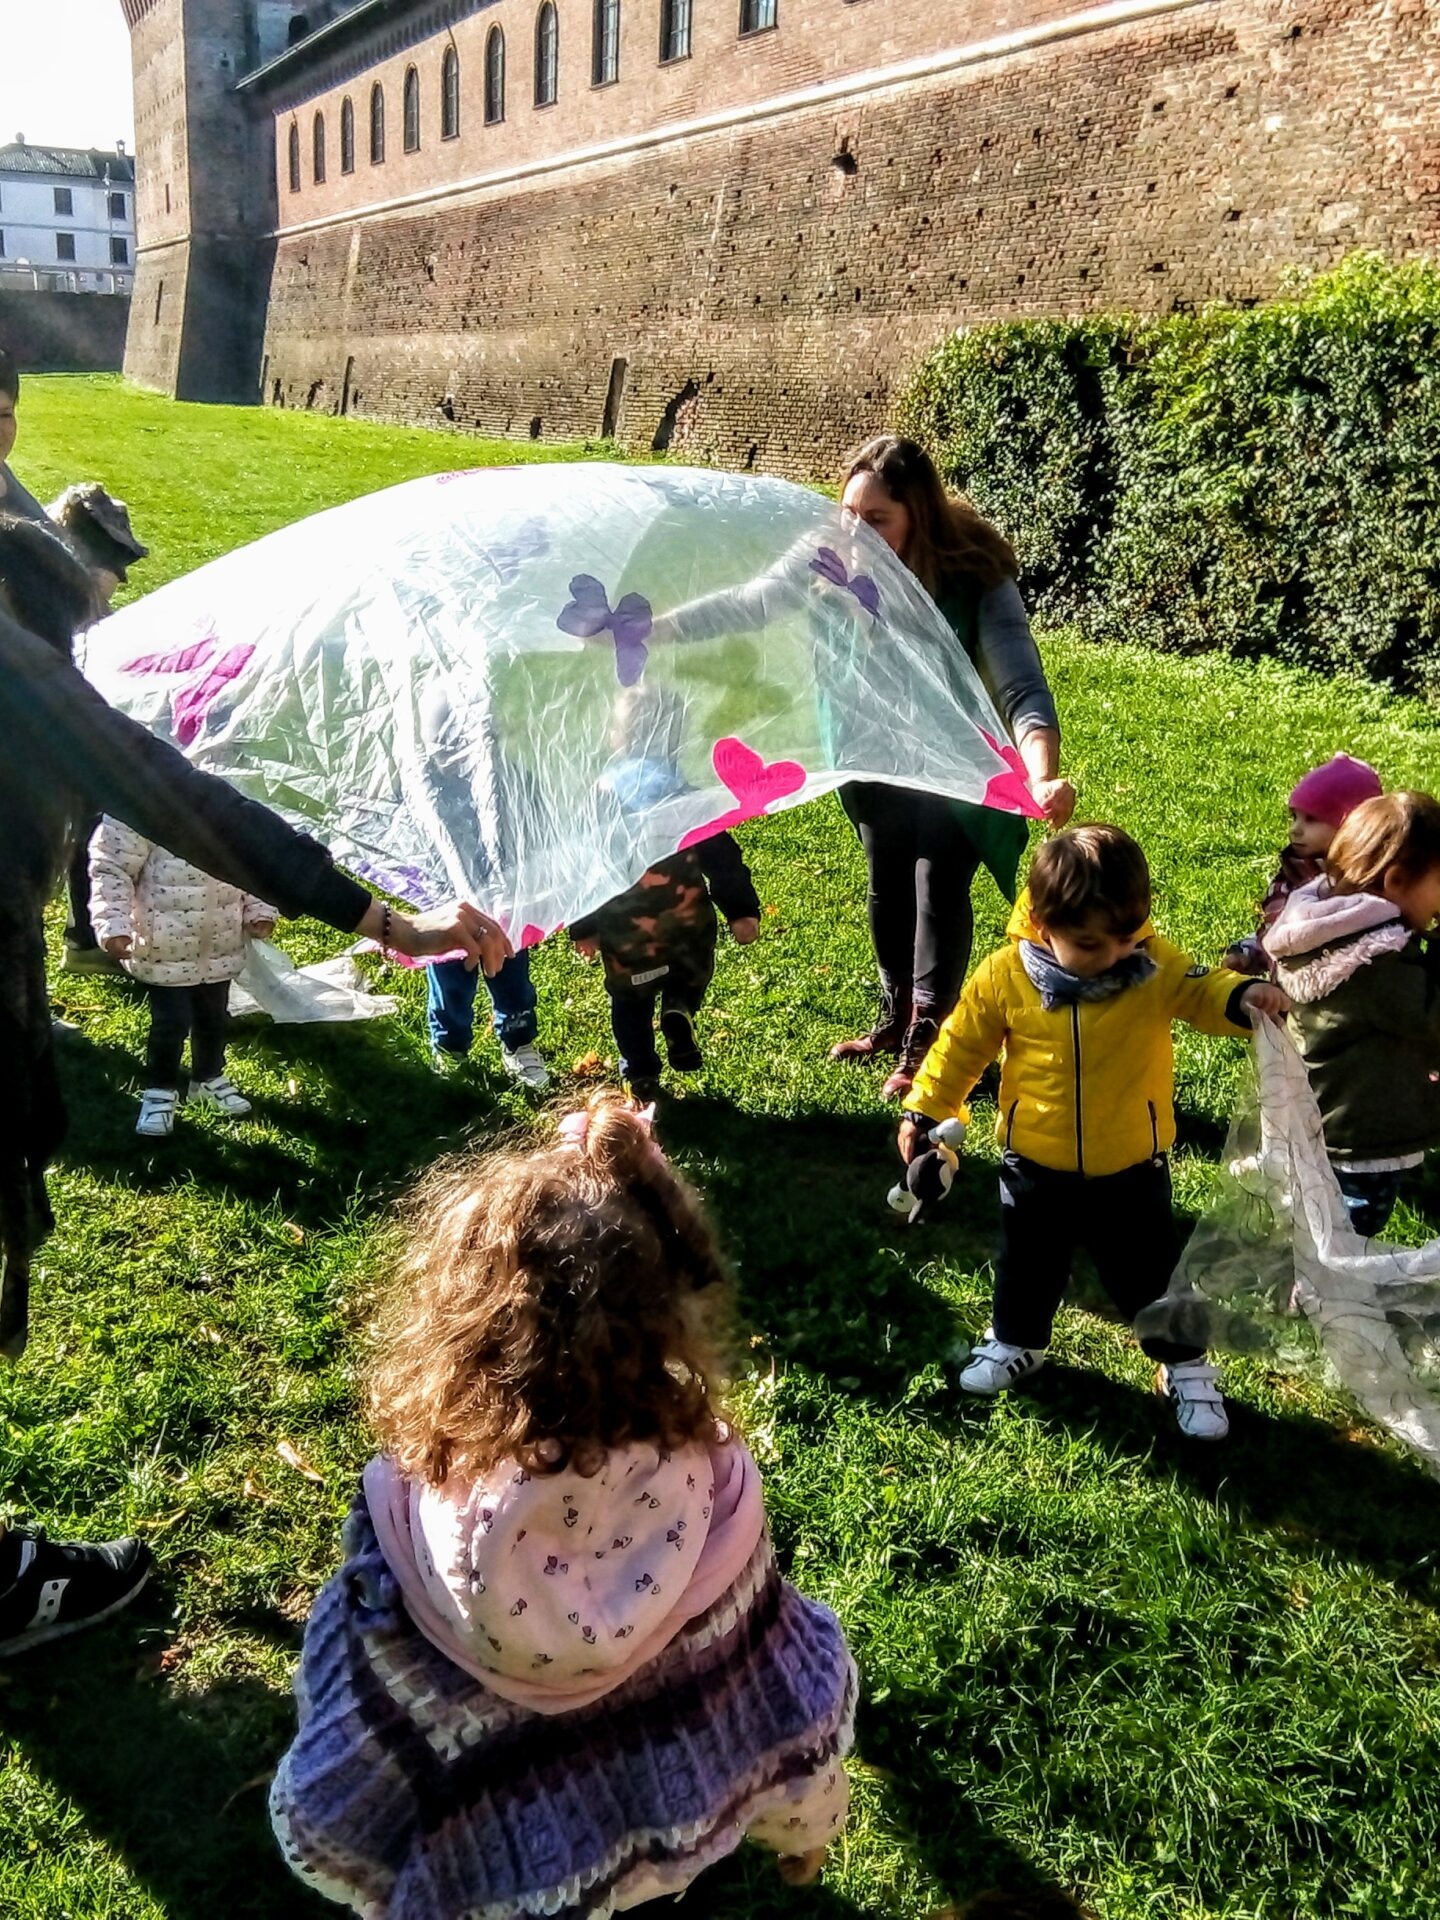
<point x="1321" y="938"/>
<point x="553" y="1588"/>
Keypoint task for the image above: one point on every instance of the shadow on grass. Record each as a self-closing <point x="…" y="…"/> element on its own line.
<point x="370" y="1118"/>
<point x="174" y="1783"/>
<point x="1315" y="1489"/>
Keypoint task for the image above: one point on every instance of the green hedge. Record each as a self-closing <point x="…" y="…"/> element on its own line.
<point x="1265" y="481"/>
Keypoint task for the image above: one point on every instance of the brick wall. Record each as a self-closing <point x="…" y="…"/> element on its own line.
<point x="64" y="332"/>
<point x="816" y="41"/>
<point x="766" y="302"/>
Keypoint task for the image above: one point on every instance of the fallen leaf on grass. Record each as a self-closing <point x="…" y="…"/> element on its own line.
<point x="295" y="1232"/>
<point x="246" y="1786"/>
<point x="293" y="1457"/>
<point x="252" y="1490"/>
<point x="292" y="1087"/>
<point x="587" y="1066"/>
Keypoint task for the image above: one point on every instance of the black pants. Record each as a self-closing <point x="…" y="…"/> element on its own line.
<point x="1369" y="1198"/>
<point x="922" y="866"/>
<point x="1124" y="1221"/>
<point x="632" y="1012"/>
<point x="175" y="1012"/>
<point x="78" y="931"/>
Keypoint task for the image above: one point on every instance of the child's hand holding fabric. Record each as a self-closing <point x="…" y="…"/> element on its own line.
<point x="1265" y="999"/>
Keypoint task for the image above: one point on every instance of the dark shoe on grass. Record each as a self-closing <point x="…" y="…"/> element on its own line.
<point x="88" y="960"/>
<point x="58" y="1588"/>
<point x="644" y="1087"/>
<point x="682" y="1049"/>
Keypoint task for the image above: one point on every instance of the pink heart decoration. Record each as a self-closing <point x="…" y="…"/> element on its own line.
<point x="1009" y="792"/>
<point x="755" y="783"/>
<point x="189" y="705"/>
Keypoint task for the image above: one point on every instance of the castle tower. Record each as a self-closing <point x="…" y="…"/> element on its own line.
<point x="204" y="197"/>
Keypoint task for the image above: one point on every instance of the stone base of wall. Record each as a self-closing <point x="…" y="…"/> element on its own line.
<point x="756" y="296"/>
<point x="64" y="332"/>
<point x="198" y="319"/>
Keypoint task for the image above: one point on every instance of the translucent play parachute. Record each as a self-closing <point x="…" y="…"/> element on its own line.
<point x="1275" y="1267"/>
<point x="523" y="686"/>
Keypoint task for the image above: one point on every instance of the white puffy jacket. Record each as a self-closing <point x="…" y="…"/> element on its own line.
<point x="187" y="929"/>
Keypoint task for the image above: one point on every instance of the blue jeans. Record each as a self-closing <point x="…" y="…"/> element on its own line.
<point x="450" y="1004"/>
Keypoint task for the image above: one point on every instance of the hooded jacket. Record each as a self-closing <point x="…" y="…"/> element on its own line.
<point x="553" y="1588"/>
<point x="188" y="929"/>
<point x="1087" y="1088"/>
<point x="1365" y="1019"/>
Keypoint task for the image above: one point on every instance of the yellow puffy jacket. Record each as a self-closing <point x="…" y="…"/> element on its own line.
<point x="1086" y="1088"/>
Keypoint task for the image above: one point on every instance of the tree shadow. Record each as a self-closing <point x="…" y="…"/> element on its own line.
<point x="174" y="1782"/>
<point x="1315" y="1488"/>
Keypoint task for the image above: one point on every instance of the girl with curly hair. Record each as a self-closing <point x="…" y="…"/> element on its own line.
<point x="558" y="1671"/>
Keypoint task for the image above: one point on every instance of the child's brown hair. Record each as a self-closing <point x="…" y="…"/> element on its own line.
<point x="549" y="1306"/>
<point x="1090" y="873"/>
<point x="1399" y="831"/>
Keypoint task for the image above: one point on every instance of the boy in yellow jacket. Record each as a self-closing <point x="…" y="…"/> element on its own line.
<point x="1079" y="1007"/>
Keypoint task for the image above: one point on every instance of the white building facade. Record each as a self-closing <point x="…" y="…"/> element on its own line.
<point x="67" y="218"/>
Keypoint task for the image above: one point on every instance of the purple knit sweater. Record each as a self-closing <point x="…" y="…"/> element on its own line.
<point x="412" y="1792"/>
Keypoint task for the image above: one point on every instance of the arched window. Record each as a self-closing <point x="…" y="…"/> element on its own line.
<point x="317" y="150"/>
<point x="347" y="135"/>
<point x="377" y="124"/>
<point x="605" y="46"/>
<point x="412" y="110"/>
<point x="494" y="76"/>
<point x="547" y="55"/>
<point x="674" y="30"/>
<point x="294" y="157"/>
<point x="450" y="94"/>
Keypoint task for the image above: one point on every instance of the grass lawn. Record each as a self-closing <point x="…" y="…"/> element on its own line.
<point x="1187" y="1683"/>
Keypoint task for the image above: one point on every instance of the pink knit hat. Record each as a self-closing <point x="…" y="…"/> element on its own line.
<point x="1333" y="791"/>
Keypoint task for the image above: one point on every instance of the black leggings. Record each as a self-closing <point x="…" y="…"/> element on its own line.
<point x="922" y="865"/>
<point x="202" y="1013"/>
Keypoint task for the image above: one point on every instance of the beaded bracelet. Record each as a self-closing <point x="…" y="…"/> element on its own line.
<point x="385" y="931"/>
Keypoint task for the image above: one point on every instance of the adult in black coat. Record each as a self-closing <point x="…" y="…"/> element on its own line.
<point x="65" y="754"/>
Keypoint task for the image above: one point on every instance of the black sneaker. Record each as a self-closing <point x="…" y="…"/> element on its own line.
<point x="60" y="1588"/>
<point x="644" y="1087"/>
<point x="682" y="1049"/>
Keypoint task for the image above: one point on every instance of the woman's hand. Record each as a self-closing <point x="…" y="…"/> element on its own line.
<point x="483" y="940"/>
<point x="745" y="930"/>
<point x="1040" y="750"/>
<point x="117" y="946"/>
<point x="1056" y="800"/>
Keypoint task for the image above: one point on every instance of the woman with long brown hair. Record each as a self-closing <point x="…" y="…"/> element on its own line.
<point x="922" y="849"/>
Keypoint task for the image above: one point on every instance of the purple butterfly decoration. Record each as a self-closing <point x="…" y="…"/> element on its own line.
<point x="828" y="564"/>
<point x="587" y="615"/>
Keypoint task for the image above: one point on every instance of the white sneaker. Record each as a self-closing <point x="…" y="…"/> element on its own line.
<point x="157" y="1112"/>
<point x="1191" y="1388"/>
<point x="527" y="1065"/>
<point x="996" y="1365"/>
<point x="220" y="1095"/>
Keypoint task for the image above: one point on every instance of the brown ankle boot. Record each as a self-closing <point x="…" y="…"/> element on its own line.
<point x="886" y="1036"/>
<point x="919" y="1038"/>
